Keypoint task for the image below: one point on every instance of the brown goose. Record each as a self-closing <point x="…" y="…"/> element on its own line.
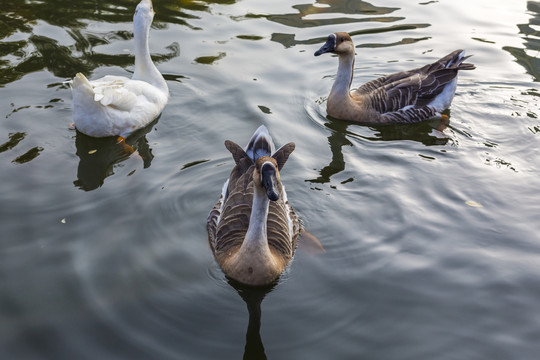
<point x="252" y="229"/>
<point x="404" y="97"/>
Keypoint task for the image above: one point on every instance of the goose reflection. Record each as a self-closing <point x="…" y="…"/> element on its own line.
<point x="98" y="156"/>
<point x="427" y="132"/>
<point x="253" y="296"/>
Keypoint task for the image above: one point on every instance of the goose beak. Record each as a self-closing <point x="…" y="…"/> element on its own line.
<point x="329" y="46"/>
<point x="269" y="181"/>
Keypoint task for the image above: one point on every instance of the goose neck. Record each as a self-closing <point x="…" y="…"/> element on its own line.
<point x="256" y="235"/>
<point x="145" y="69"/>
<point x="344" y="75"/>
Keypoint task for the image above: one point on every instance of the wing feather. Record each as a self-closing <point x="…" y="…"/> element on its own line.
<point x="417" y="87"/>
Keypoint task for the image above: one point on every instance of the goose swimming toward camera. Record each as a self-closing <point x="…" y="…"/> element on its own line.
<point x="404" y="97"/>
<point x="252" y="229"/>
<point x="117" y="105"/>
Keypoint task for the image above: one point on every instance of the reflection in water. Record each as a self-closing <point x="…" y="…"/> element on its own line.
<point x="352" y="7"/>
<point x="336" y="140"/>
<point x="18" y="15"/>
<point x="253" y="296"/>
<point x="426" y="132"/>
<point x="28" y="156"/>
<point x="59" y="59"/>
<point x="288" y="40"/>
<point x="532" y="42"/>
<point x="209" y="60"/>
<point x="38" y="52"/>
<point x="314" y="15"/>
<point x="98" y="155"/>
<point x="421" y="132"/>
<point x="14" y="140"/>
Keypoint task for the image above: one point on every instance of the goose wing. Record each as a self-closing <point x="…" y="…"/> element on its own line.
<point x="409" y="115"/>
<point x="231" y="227"/>
<point x="417" y="87"/>
<point x="112" y="91"/>
<point x="228" y="220"/>
<point x="283" y="227"/>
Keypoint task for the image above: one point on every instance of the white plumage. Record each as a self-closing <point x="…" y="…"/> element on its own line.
<point x="117" y="105"/>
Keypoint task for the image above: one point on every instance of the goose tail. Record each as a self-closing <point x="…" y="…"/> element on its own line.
<point x="454" y="60"/>
<point x="457" y="60"/>
<point x="81" y="83"/>
<point x="260" y="144"/>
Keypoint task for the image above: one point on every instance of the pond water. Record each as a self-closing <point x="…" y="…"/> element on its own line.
<point x="432" y="245"/>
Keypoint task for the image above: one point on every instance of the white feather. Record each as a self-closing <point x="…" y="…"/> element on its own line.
<point x="117" y="105"/>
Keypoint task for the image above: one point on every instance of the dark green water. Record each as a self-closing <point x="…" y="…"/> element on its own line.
<point x="432" y="245"/>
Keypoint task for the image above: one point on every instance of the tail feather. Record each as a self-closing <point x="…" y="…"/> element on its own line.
<point x="456" y="60"/>
<point x="80" y="82"/>
<point x="261" y="144"/>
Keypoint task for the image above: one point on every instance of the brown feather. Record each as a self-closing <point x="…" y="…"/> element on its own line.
<point x="228" y="221"/>
<point x="283" y="153"/>
<point x="403" y="97"/>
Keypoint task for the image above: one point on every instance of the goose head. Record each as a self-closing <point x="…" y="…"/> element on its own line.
<point x="266" y="177"/>
<point x="144" y="13"/>
<point x="339" y="43"/>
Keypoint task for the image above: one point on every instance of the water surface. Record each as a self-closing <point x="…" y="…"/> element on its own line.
<point x="432" y="246"/>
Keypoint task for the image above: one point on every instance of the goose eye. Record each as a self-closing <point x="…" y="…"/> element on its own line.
<point x="341" y="39"/>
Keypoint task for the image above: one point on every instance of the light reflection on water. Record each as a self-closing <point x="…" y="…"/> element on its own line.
<point x="411" y="269"/>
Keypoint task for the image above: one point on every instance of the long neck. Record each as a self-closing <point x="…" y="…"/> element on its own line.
<point x="256" y="240"/>
<point x="145" y="69"/>
<point x="342" y="84"/>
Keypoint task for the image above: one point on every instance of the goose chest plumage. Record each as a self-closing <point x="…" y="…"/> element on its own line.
<point x="252" y="229"/>
<point x="404" y="97"/>
<point x="117" y="105"/>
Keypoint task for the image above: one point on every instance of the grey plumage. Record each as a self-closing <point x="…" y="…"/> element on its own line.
<point x="416" y="87"/>
<point x="404" y="97"/>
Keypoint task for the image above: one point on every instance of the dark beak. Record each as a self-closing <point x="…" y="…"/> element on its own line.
<point x="269" y="181"/>
<point x="329" y="46"/>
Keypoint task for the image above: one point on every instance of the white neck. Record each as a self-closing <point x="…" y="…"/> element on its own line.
<point x="342" y="84"/>
<point x="256" y="241"/>
<point x="145" y="69"/>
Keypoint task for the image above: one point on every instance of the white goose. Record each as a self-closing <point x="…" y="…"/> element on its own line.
<point x="252" y="229"/>
<point x="404" y="97"/>
<point x="117" y="105"/>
